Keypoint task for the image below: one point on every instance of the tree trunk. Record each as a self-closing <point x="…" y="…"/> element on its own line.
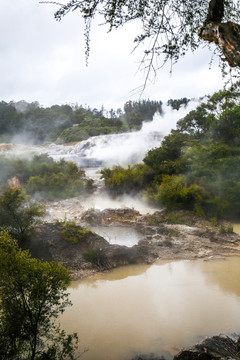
<point x="225" y="35"/>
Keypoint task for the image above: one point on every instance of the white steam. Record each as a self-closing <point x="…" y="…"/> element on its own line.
<point x="24" y="138"/>
<point x="122" y="149"/>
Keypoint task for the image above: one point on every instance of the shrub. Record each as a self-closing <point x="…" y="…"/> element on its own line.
<point x="72" y="232"/>
<point x="32" y="296"/>
<point x="18" y="213"/>
<point x="90" y="255"/>
<point x="228" y="229"/>
<point x="179" y="217"/>
<point x="97" y="257"/>
<point x="121" y="180"/>
<point x="174" y="193"/>
<point x="90" y="187"/>
<point x="43" y="176"/>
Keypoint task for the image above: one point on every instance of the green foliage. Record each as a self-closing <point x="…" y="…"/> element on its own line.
<point x="73" y="233"/>
<point x="168" y="158"/>
<point x="8" y="118"/>
<point x="168" y="29"/>
<point x="64" y="124"/>
<point x="92" y="123"/>
<point x="72" y="134"/>
<point x="90" y="255"/>
<point x="226" y="229"/>
<point x="97" y="258"/>
<point x="138" y="111"/>
<point x="177" y="103"/>
<point x="18" y="213"/>
<point x="32" y="121"/>
<point x="184" y="217"/>
<point x="90" y="187"/>
<point x="227" y="128"/>
<point x="207" y="162"/>
<point x="216" y="168"/>
<point x="208" y="119"/>
<point x="91" y="127"/>
<point x="178" y="217"/>
<point x="175" y="193"/>
<point x="13" y="167"/>
<point x="154" y="220"/>
<point x="196" y="122"/>
<point x="197" y="166"/>
<point x="132" y="179"/>
<point x="173" y="233"/>
<point x="44" y="177"/>
<point x="32" y="296"/>
<point x="54" y="186"/>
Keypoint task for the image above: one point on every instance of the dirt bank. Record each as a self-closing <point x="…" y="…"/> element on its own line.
<point x="165" y="235"/>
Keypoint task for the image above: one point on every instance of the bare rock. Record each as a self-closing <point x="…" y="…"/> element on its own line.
<point x="125" y="216"/>
<point x="214" y="348"/>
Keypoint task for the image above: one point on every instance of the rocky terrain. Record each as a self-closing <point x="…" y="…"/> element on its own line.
<point x="220" y="347"/>
<point x="165" y="235"/>
<point x="213" y="348"/>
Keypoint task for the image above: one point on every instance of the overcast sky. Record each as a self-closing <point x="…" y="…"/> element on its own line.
<point x="43" y="60"/>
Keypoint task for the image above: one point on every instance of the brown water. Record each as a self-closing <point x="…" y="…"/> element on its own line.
<point x="154" y="309"/>
<point x="236" y="228"/>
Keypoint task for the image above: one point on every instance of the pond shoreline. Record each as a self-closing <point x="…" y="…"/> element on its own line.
<point x="194" y="238"/>
<point x="182" y="303"/>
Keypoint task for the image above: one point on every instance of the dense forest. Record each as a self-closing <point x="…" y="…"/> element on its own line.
<point x="22" y="121"/>
<point x="197" y="166"/>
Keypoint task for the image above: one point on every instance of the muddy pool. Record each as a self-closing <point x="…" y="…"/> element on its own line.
<point x="154" y="309"/>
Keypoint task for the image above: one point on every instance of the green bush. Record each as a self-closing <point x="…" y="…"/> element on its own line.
<point x="228" y="229"/>
<point x="90" y="187"/>
<point x="33" y="294"/>
<point x="44" y="177"/>
<point x="72" y="232"/>
<point x="174" y="193"/>
<point x="91" y="255"/>
<point x="121" y="180"/>
<point x="18" y="213"/>
<point x="97" y="258"/>
<point x="54" y="186"/>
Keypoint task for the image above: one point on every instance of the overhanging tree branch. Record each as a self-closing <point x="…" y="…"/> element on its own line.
<point x="168" y="28"/>
<point x="225" y="35"/>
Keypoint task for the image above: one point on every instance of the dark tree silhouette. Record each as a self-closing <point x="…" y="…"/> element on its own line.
<point x="226" y="35"/>
<point x="169" y="28"/>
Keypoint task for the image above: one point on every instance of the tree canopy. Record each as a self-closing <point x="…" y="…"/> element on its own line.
<point x="169" y="28"/>
<point x="32" y="296"/>
<point x="196" y="167"/>
<point x="18" y="213"/>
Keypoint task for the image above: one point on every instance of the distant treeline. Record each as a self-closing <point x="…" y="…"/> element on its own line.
<point x="197" y="166"/>
<point x="30" y="122"/>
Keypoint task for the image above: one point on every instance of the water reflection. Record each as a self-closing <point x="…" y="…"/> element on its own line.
<point x="113" y="275"/>
<point x="157" y="309"/>
<point x="223" y="273"/>
<point x="120" y="235"/>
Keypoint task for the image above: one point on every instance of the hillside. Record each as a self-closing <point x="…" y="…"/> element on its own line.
<point x="197" y="166"/>
<point x="22" y="122"/>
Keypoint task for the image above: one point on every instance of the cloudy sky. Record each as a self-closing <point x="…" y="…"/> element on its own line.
<point x="43" y="60"/>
